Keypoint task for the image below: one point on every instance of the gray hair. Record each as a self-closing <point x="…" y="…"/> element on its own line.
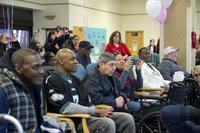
<point x="105" y="57"/>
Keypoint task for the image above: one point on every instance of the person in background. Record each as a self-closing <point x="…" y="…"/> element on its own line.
<point x="83" y="55"/>
<point x="51" y="44"/>
<point x="115" y="45"/>
<point x="158" y="46"/>
<point x="21" y="75"/>
<point x="151" y="76"/>
<point x="169" y="66"/>
<point x="35" y="43"/>
<point x="66" y="94"/>
<point x="3" y="43"/>
<point x="67" y="34"/>
<point x="184" y="119"/>
<point x="152" y="47"/>
<point x="15" y="43"/>
<point x="73" y="43"/>
<point x="50" y="59"/>
<point x="63" y="38"/>
<point x="197" y="53"/>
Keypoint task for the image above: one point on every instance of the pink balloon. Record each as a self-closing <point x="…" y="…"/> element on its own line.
<point x="162" y="16"/>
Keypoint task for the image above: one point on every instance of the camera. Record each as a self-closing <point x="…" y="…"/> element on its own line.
<point x="135" y="60"/>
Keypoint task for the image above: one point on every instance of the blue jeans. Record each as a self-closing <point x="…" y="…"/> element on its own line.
<point x="179" y="119"/>
<point x="133" y="105"/>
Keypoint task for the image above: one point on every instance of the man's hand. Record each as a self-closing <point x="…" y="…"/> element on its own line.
<point x="120" y="101"/>
<point x="104" y="112"/>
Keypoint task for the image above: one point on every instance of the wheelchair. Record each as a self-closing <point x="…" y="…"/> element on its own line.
<point x="147" y="119"/>
<point x="12" y="120"/>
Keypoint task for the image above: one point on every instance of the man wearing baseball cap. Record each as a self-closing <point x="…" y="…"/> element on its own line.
<point x="169" y="65"/>
<point x="83" y="55"/>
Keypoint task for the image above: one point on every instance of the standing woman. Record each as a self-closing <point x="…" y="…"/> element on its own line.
<point x="115" y="45"/>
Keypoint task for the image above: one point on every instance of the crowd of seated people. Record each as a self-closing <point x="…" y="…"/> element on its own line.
<point x="68" y="89"/>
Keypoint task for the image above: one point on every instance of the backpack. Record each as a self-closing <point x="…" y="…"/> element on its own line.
<point x="182" y="92"/>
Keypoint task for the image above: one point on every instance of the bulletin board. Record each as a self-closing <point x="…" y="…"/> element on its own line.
<point x="96" y="36"/>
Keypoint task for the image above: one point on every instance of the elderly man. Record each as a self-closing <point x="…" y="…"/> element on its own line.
<point x="169" y="65"/>
<point x="151" y="76"/>
<point x="184" y="119"/>
<point x="66" y="94"/>
<point x="20" y="94"/>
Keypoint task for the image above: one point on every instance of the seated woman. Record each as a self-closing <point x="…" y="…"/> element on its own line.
<point x="184" y="119"/>
<point x="128" y="83"/>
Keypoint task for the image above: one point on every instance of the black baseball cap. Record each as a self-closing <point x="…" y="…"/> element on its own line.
<point x="85" y="44"/>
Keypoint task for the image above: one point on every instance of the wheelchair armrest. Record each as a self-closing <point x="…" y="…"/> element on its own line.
<point x="161" y="90"/>
<point x="69" y="115"/>
<point x="66" y="118"/>
<point x="142" y="93"/>
<point x="103" y="106"/>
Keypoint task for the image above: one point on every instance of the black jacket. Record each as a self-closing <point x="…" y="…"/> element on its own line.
<point x="102" y="89"/>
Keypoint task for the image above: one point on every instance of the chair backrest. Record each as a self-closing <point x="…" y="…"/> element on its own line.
<point x="90" y="68"/>
<point x="155" y="59"/>
<point x="80" y="72"/>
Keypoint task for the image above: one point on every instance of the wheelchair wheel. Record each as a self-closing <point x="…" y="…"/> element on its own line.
<point x="151" y="123"/>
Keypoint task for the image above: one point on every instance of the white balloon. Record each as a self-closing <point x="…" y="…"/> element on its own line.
<point x="166" y="3"/>
<point x="153" y="8"/>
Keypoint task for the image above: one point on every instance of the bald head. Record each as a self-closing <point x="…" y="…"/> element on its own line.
<point x="66" y="61"/>
<point x="62" y="53"/>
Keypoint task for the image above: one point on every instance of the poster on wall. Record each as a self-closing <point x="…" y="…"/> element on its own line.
<point x="97" y="37"/>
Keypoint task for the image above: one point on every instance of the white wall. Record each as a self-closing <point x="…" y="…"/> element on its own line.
<point x="99" y="14"/>
<point x="135" y="18"/>
<point x="112" y="15"/>
<point x="198" y="23"/>
<point x="144" y="23"/>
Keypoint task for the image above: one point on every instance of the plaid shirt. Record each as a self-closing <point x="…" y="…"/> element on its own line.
<point x="19" y="101"/>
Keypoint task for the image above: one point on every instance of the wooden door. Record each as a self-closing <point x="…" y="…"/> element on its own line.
<point x="134" y="41"/>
